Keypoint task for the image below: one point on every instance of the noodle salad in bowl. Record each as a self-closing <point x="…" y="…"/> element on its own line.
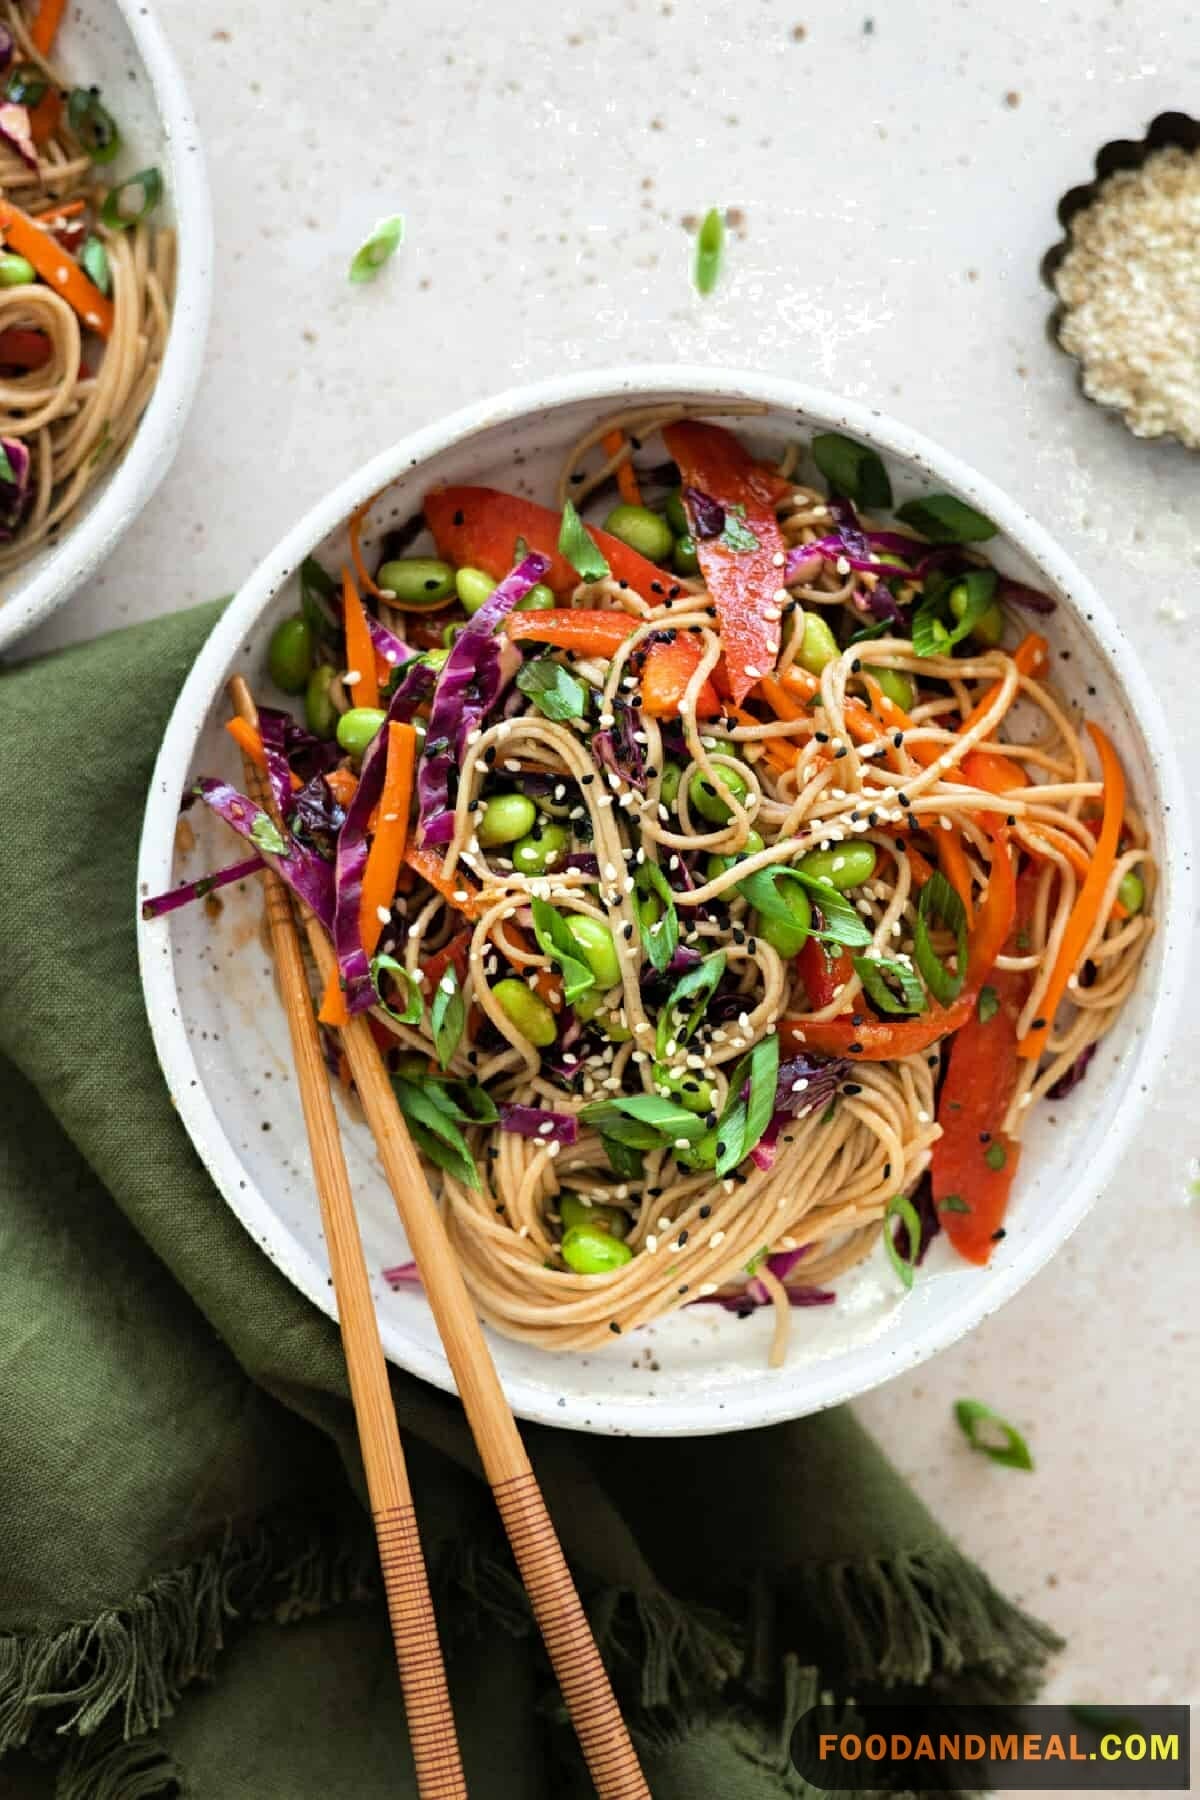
<point x="723" y="875"/>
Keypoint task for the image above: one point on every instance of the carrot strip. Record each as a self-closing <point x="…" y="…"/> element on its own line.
<point x="1062" y="841"/>
<point x="343" y="785"/>
<point x="383" y="859"/>
<point x="43" y="123"/>
<point x="1086" y="909"/>
<point x="58" y="270"/>
<point x="360" y="651"/>
<point x="365" y="581"/>
<point x="70" y="209"/>
<point x="627" y="483"/>
<point x="779" y="700"/>
<point x="597" y="632"/>
<point x="45" y="24"/>
<point x="429" y="865"/>
<point x="1030" y="657"/>
<point x="247" y="739"/>
<point x="998" y="774"/>
<point x="954" y="865"/>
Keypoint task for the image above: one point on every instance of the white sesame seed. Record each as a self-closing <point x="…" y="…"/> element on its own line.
<point x="842" y="565"/>
<point x="351" y="676"/>
<point x="651" y="1243"/>
<point x="553" y="1148"/>
<point x="717" y="1239"/>
<point x="382" y="914"/>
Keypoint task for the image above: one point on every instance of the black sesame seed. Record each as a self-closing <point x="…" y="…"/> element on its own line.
<point x="1037" y="1025"/>
<point x="842" y="752"/>
<point x="460" y="517"/>
<point x="1011" y="819"/>
<point x="852" y="1087"/>
<point x="682" y="1238"/>
<point x="822" y="737"/>
<point x="985" y="1137"/>
<point x="904" y="799"/>
<point x="627" y="932"/>
<point x="897" y="738"/>
<point x="622" y="584"/>
<point x="613" y="1326"/>
<point x="705" y="1211"/>
<point x="656" y="587"/>
<point x="997" y="1235"/>
<point x="684" y="1288"/>
<point x="856" y="666"/>
<point x="854" y="1049"/>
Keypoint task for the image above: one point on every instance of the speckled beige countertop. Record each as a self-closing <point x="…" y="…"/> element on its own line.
<point x="896" y="164"/>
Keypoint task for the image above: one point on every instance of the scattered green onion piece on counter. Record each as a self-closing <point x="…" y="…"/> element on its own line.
<point x="414" y="1006"/>
<point x="577" y="545"/>
<point x="93" y="124"/>
<point x="852" y="469"/>
<point x="890" y="984"/>
<point x="93" y="260"/>
<point x="710" y="250"/>
<point x="132" y="201"/>
<point x="743" y="1122"/>
<point x="974" y="1418"/>
<point x="944" y="520"/>
<point x="658" y="921"/>
<point x="989" y="1004"/>
<point x="377" y="249"/>
<point x="900" y="1206"/>
<point x="556" y="693"/>
<point x="697" y="985"/>
<point x="447" y="1016"/>
<point x="940" y="902"/>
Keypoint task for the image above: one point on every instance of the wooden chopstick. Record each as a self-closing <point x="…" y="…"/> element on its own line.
<point x="603" y="1736"/>
<point x="406" y="1584"/>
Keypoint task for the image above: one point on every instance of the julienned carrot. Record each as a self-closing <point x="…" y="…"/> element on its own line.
<point x="384" y="858"/>
<point x="998" y="774"/>
<point x="627" y="483"/>
<point x="360" y="651"/>
<point x="508" y="937"/>
<point x="354" y="531"/>
<point x="70" y="209"/>
<point x="246" y="738"/>
<point x="1051" y="838"/>
<point x="343" y="785"/>
<point x="1086" y="909"/>
<point x="45" y="24"/>
<point x="457" y="888"/>
<point x="1030" y="657"/>
<point x="43" y="123"/>
<point x="595" y="632"/>
<point x="860" y="723"/>
<point x="58" y="270"/>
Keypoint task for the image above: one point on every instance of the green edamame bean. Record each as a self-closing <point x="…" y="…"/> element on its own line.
<point x="708" y="802"/>
<point x="356" y="728"/>
<point x="418" y="580"/>
<point x="717" y="865"/>
<point x="320" y="713"/>
<point x="643" y="530"/>
<point x="436" y="658"/>
<point x="668" y="787"/>
<point x="988" y="628"/>
<point x="1131" y="892"/>
<point x="574" y="1212"/>
<point x="16" y="271"/>
<point x="611" y="1026"/>
<point x="527" y="1011"/>
<point x="895" y="684"/>
<point x="700" y="1155"/>
<point x="787" y="939"/>
<point x="845" y="866"/>
<point x="472" y="587"/>
<point x="685" y="558"/>
<point x="596" y="946"/>
<point x="692" y="1091"/>
<point x="540" y="598"/>
<point x="818" y="645"/>
<point x="290" y="654"/>
<point x="676" y="516"/>
<point x="504" y="819"/>
<point x="592" y="1252"/>
<point x="539" y="851"/>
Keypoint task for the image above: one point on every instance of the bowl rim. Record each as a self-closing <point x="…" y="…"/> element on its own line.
<point x="134" y="480"/>
<point x="819" y="1384"/>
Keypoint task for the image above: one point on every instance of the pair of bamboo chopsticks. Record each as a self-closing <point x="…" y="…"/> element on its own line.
<point x="611" y="1758"/>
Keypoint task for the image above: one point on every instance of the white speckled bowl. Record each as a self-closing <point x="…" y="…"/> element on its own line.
<point x="222" y="1038"/>
<point x="119" y="45"/>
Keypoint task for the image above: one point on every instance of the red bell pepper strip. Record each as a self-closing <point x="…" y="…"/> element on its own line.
<point x="455" y="951"/>
<point x="478" y="528"/>
<point x="974" y="1160"/>
<point x="743" y="583"/>
<point x="823" y="972"/>
<point x="665" y="674"/>
<point x="879" y="1040"/>
<point x="23" y="348"/>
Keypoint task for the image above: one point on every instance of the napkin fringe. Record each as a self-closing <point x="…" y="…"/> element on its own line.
<point x="112" y="1769"/>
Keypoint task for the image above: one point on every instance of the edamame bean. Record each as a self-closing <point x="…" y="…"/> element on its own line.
<point x="895" y="684"/>
<point x="708" y="802"/>
<point x="540" y="598"/>
<point x="473" y="587"/>
<point x="320" y="713"/>
<point x="573" y="1211"/>
<point x="1131" y="892"/>
<point x="596" y="946"/>
<point x="818" y="645"/>
<point x="717" y="865"/>
<point x="504" y="819"/>
<point x="527" y="1011"/>
<point x="540" y="850"/>
<point x="436" y="658"/>
<point x="988" y="628"/>
<point x="685" y="558"/>
<point x="692" y="1091"/>
<point x="592" y="1252"/>
<point x="700" y="1155"/>
<point x="290" y="654"/>
<point x="676" y="516"/>
<point x="668" y="787"/>
<point x="418" y="580"/>
<point x="787" y="939"/>
<point x="356" y="728"/>
<point x="643" y="530"/>
<point x="16" y="271"/>
<point x="845" y="866"/>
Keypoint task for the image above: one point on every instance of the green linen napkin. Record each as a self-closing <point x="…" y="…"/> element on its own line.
<point x="188" y="1599"/>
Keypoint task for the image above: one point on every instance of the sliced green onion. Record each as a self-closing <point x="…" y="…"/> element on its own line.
<point x="974" y="1417"/>
<point x="743" y="1122"/>
<point x="931" y="635"/>
<point x="658" y="921"/>
<point x="132" y="201"/>
<point x="577" y="545"/>
<point x="710" y="250"/>
<point x="996" y="1155"/>
<point x="642" y="1121"/>
<point x="264" y="832"/>
<point x="9" y="475"/>
<point x="447" y="1016"/>
<point x="900" y="1206"/>
<point x="379" y="248"/>
<point x="93" y="260"/>
<point x="556" y="940"/>
<point x="26" y="85"/>
<point x="944" y="520"/>
<point x="434" y="1120"/>
<point x="989" y="1004"/>
<point x="696" y="984"/>
<point x="881" y="976"/>
<point x="953" y="1203"/>
<point x="852" y="469"/>
<point x="414" y="1006"/>
<point x="940" y="902"/>
<point x="93" y="124"/>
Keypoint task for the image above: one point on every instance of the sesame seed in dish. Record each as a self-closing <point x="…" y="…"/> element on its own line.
<point x="1130" y="288"/>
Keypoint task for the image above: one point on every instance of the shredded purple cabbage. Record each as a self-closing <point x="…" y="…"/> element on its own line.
<point x="272" y="730"/>
<point x="15" y="495"/>
<point x="403" y="1275"/>
<point x="15" y="130"/>
<point x="174" y="898"/>
<point x="706" y="516"/>
<point x="584" y="862"/>
<point x="1068" y="1082"/>
<point x="317" y="817"/>
<point x="1015" y="593"/>
<point x="618" y="749"/>
<point x="821" y="1081"/>
<point x="472" y="680"/>
<point x="756" y="1294"/>
<point x="541" y="1123"/>
<point x="310" y="879"/>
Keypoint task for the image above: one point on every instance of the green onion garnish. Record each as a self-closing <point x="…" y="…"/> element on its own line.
<point x="891" y="984"/>
<point x="447" y="1016"/>
<point x="953" y="1203"/>
<point x="710" y="250"/>
<point x="377" y="249"/>
<point x="989" y="1004"/>
<point x="414" y="1006"/>
<point x="579" y="547"/>
<point x="93" y="260"/>
<point x="130" y="203"/>
<point x="940" y="902"/>
<point x="900" y="1206"/>
<point x="974" y="1417"/>
<point x="852" y="469"/>
<point x="944" y="520"/>
<point x="93" y="124"/>
<point x="26" y="85"/>
<point x="996" y="1155"/>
